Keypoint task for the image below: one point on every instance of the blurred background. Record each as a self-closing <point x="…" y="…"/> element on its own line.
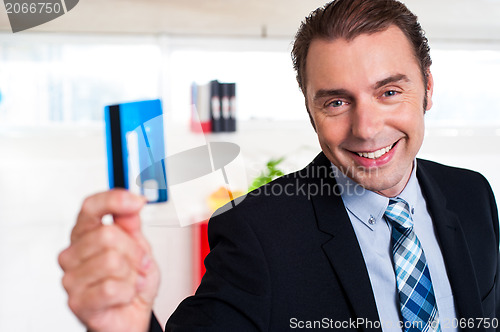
<point x="55" y="80"/>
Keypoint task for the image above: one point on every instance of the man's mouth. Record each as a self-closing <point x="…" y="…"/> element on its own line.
<point x="376" y="154"/>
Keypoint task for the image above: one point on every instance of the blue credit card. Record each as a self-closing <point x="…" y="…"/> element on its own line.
<point x="136" y="148"/>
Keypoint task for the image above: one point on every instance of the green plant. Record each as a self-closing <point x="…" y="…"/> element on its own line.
<point x="271" y="173"/>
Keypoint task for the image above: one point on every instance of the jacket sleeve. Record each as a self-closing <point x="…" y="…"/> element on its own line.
<point x="494" y="219"/>
<point x="234" y="294"/>
<point x="154" y="326"/>
<point x="494" y="213"/>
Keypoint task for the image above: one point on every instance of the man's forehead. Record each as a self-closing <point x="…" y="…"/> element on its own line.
<point x="390" y="43"/>
<point x="392" y="30"/>
<point x="367" y="60"/>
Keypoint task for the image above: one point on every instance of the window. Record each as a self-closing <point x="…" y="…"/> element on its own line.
<point x="466" y="88"/>
<point x="60" y="81"/>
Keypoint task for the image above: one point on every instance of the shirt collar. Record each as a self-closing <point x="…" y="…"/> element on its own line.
<point x="368" y="206"/>
<point x="410" y="192"/>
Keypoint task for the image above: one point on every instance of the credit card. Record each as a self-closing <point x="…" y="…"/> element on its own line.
<point x="136" y="148"/>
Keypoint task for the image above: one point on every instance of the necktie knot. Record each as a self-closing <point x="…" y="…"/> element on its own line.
<point x="398" y="212"/>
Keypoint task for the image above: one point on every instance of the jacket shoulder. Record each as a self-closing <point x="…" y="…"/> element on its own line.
<point x="463" y="189"/>
<point x="450" y="175"/>
<point x="291" y="192"/>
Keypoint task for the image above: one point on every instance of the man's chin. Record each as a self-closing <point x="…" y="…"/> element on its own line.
<point x="379" y="184"/>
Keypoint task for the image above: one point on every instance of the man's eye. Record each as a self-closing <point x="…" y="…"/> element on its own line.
<point x="336" y="103"/>
<point x="390" y="93"/>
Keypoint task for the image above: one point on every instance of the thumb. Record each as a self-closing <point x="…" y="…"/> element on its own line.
<point x="130" y="220"/>
<point x="129" y="223"/>
<point x="121" y="204"/>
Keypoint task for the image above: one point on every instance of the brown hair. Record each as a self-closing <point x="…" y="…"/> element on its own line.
<point x="350" y="18"/>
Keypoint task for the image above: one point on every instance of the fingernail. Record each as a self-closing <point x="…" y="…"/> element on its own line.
<point x="136" y="200"/>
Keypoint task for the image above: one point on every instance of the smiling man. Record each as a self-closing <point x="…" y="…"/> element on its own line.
<point x="416" y="249"/>
<point x="366" y="97"/>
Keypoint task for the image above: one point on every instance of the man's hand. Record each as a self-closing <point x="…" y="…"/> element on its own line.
<point x="109" y="271"/>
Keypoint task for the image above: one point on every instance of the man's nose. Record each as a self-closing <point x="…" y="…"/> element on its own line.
<point x="367" y="120"/>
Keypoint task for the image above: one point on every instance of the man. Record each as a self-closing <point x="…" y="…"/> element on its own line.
<point x="366" y="237"/>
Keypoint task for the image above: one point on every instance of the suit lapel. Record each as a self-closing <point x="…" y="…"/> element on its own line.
<point x="343" y="250"/>
<point x="453" y="247"/>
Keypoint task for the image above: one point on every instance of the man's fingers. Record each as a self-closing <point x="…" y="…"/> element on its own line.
<point x="129" y="223"/>
<point x="109" y="272"/>
<point x="102" y="296"/>
<point x="108" y="264"/>
<point x="118" y="202"/>
<point x="105" y="238"/>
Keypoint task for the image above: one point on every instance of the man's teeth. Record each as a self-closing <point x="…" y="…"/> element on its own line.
<point x="376" y="154"/>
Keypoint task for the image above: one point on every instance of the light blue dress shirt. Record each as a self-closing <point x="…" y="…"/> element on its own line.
<point x="366" y="211"/>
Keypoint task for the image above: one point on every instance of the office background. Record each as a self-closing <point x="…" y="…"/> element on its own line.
<point x="55" y="80"/>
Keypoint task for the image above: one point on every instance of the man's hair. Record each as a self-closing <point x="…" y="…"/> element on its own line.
<point x="348" y="19"/>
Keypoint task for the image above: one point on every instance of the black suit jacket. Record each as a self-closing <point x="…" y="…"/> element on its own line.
<point x="288" y="255"/>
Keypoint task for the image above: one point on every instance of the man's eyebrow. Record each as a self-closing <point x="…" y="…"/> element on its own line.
<point x="343" y="92"/>
<point x="330" y="93"/>
<point x="391" y="79"/>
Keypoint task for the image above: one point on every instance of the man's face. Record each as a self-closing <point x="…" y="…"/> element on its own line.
<point x="366" y="99"/>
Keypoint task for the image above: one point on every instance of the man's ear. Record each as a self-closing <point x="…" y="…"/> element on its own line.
<point x="429" y="90"/>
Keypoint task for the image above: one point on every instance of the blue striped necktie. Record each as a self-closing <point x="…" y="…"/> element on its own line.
<point x="416" y="295"/>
